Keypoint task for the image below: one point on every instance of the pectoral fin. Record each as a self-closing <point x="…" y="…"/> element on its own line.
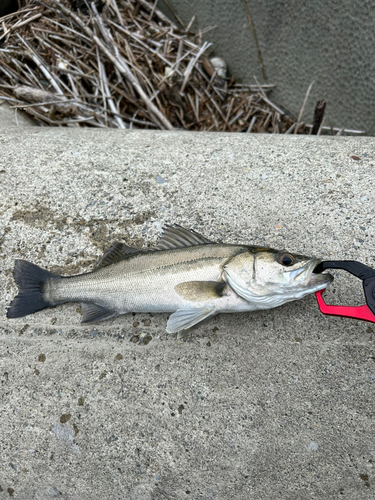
<point x="183" y="319"/>
<point x="199" y="291"/>
<point x="92" y="313"/>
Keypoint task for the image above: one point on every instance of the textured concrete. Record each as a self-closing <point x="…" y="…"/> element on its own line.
<point x="331" y="43"/>
<point x="8" y="6"/>
<point x="267" y="405"/>
<point x="9" y="118"/>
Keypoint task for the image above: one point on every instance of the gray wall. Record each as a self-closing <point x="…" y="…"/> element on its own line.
<point x="8" y="6"/>
<point x="330" y="42"/>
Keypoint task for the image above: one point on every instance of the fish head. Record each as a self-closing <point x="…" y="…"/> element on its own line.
<point x="283" y="272"/>
<point x="271" y="277"/>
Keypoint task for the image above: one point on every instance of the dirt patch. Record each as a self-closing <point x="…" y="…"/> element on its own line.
<point x="75" y="268"/>
<point x="2" y="239"/>
<point x="38" y="216"/>
<point x="100" y="235"/>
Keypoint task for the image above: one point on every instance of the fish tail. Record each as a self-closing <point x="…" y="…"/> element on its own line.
<point x="31" y="281"/>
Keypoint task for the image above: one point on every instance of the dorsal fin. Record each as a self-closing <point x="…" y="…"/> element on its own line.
<point x="117" y="252"/>
<point x="175" y="236"/>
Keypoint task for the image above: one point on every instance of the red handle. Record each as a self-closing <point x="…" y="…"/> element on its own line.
<point x="362" y="312"/>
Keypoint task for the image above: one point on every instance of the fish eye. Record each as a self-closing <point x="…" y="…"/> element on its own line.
<point x="286" y="259"/>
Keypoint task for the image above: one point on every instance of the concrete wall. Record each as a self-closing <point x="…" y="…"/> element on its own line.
<point x="8" y="6"/>
<point x="330" y="42"/>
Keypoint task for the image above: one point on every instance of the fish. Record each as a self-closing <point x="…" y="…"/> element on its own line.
<point x="184" y="274"/>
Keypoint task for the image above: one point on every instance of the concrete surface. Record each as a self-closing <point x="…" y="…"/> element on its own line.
<point x="331" y="43"/>
<point x="9" y="117"/>
<point x="267" y="405"/>
<point x="8" y="6"/>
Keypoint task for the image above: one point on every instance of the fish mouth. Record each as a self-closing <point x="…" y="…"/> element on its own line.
<point x="317" y="280"/>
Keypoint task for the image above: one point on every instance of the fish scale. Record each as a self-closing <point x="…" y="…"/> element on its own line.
<point x="185" y="274"/>
<point x="135" y="284"/>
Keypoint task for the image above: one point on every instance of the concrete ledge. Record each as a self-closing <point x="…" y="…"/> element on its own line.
<point x="277" y="404"/>
<point x="10" y="118"/>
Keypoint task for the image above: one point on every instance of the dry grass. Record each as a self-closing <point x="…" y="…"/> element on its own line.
<point x="127" y="66"/>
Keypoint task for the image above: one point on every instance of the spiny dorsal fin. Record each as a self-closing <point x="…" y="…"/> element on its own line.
<point x="197" y="291"/>
<point x="175" y="236"/>
<point x="117" y="252"/>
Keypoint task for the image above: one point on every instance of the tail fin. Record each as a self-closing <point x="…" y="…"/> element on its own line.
<point x="30" y="280"/>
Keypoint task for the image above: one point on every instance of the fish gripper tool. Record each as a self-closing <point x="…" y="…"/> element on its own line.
<point x="364" y="273"/>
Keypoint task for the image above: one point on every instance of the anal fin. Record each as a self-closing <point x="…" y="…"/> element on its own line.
<point x="183" y="319"/>
<point x="92" y="313"/>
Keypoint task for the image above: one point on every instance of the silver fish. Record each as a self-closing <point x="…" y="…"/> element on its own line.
<point x="185" y="274"/>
